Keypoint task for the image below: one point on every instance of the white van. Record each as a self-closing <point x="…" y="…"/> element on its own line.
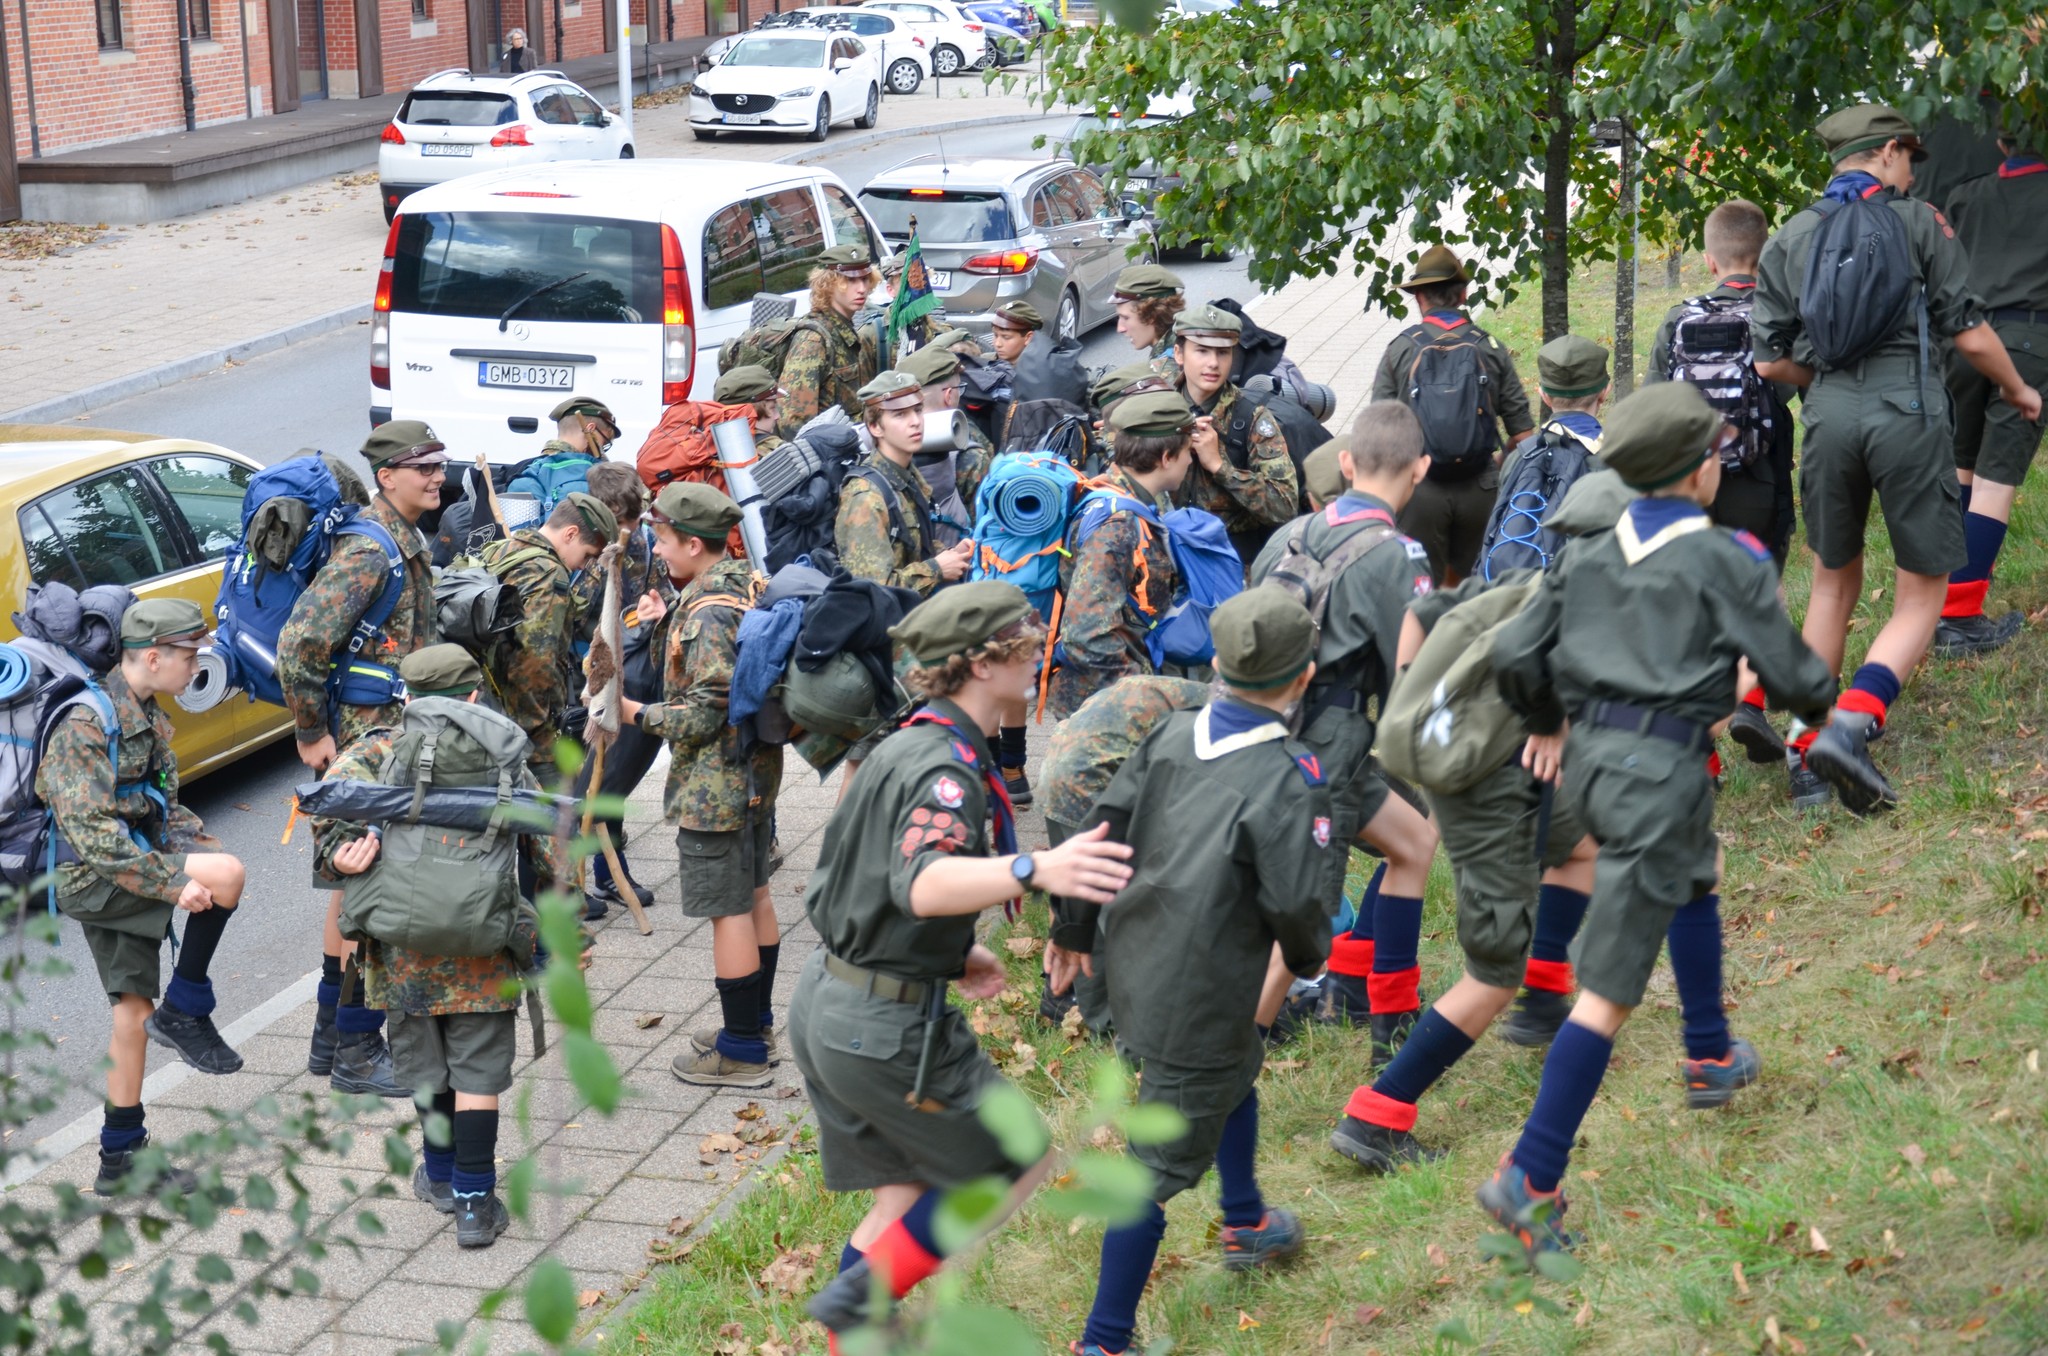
<point x="503" y="293"/>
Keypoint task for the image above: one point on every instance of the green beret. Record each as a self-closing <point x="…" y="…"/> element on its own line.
<point x="849" y="259"/>
<point x="743" y="385"/>
<point x="162" y="621"/>
<point x="402" y="442"/>
<point x="1019" y="315"/>
<point x="1571" y="368"/>
<point x="952" y="339"/>
<point x="1128" y="380"/>
<point x="1659" y="435"/>
<point x="956" y="619"/>
<point x="931" y="365"/>
<point x="1865" y="127"/>
<point x="1154" y="412"/>
<point x="1437" y="265"/>
<point x="892" y="390"/>
<point x="1264" y="639"/>
<point x="1209" y="326"/>
<point x="696" y="509"/>
<point x="444" y="670"/>
<point x="1321" y="477"/>
<point x="1140" y="281"/>
<point x="590" y="407"/>
<point x="598" y="518"/>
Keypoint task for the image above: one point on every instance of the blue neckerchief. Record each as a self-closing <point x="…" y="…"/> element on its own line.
<point x="1653" y="515"/>
<point x="1850" y="185"/>
<point x="1229" y="716"/>
<point x="1353" y="500"/>
<point x="2023" y="163"/>
<point x="1449" y="317"/>
<point x="1582" y="426"/>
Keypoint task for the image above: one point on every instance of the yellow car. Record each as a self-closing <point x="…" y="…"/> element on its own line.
<point x="95" y="506"/>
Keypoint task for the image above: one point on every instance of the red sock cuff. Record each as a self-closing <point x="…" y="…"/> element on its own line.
<point x="1400" y="991"/>
<point x="1863" y="703"/>
<point x="1966" y="600"/>
<point x="901" y="1260"/>
<point x="1754" y="697"/>
<point x="1351" y="956"/>
<point x="1376" y="1108"/>
<point x="1713" y="762"/>
<point x="1549" y="976"/>
<point x="1804" y="740"/>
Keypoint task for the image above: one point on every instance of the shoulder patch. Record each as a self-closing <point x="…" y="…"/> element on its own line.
<point x="1416" y="550"/>
<point x="1265" y="427"/>
<point x="1320" y="831"/>
<point x="1749" y="542"/>
<point x="964" y="751"/>
<point x="948" y="792"/>
<point x="1311" y="768"/>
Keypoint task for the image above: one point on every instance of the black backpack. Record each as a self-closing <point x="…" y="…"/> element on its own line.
<point x="1303" y="431"/>
<point x="800" y="521"/>
<point x="1453" y="399"/>
<point x="985" y="393"/>
<point x="1056" y="426"/>
<point x="1859" y="283"/>
<point x="1548" y="465"/>
<point x="1712" y="352"/>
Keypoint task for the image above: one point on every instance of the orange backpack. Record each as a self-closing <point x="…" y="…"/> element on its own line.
<point x="681" y="448"/>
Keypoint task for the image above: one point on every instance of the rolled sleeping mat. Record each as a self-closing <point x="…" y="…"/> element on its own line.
<point x="734" y="439"/>
<point x="946" y="431"/>
<point x="470" y="808"/>
<point x="17" y="674"/>
<point x="1029" y="503"/>
<point x="212" y="683"/>
<point x="769" y="307"/>
<point x="520" y="510"/>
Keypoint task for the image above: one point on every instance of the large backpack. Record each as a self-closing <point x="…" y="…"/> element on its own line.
<point x="39" y="684"/>
<point x="1056" y="426"/>
<point x="1712" y="352"/>
<point x="1859" y="282"/>
<point x="1211" y="574"/>
<point x="551" y="477"/>
<point x="444" y="891"/>
<point x="798" y="517"/>
<point x="985" y="393"/>
<point x="1445" y="725"/>
<point x="1310" y="577"/>
<point x="1453" y="399"/>
<point x="292" y="513"/>
<point x="1020" y="524"/>
<point x="765" y="345"/>
<point x="681" y="448"/>
<point x="1545" y="467"/>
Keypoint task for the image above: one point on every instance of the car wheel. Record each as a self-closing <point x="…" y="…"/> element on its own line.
<point x="905" y="76"/>
<point x="868" y="118"/>
<point x="703" y="134"/>
<point x="1066" y="321"/>
<point x="947" y="60"/>
<point x="625" y="152"/>
<point x="823" y="126"/>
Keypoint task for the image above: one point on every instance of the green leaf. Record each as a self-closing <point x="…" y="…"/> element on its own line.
<point x="519" y="1186"/>
<point x="1153" y="1123"/>
<point x="1454" y="1330"/>
<point x="398" y="1150"/>
<point x="1500" y="1245"/>
<point x="1109" y="1086"/>
<point x="259" y="1194"/>
<point x="93" y="1266"/>
<point x="983" y="1331"/>
<point x="213" y="1269"/>
<point x="368" y="1225"/>
<point x="965" y="1211"/>
<point x="1086" y="1203"/>
<point x="305" y="1282"/>
<point x="568" y="757"/>
<point x="558" y="928"/>
<point x="591" y="1071"/>
<point x="1009" y="1115"/>
<point x="1561" y="1267"/>
<point x="568" y="996"/>
<point x="551" y="1300"/>
<point x="255" y="1247"/>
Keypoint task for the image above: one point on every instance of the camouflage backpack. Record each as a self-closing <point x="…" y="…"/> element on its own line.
<point x="765" y="345"/>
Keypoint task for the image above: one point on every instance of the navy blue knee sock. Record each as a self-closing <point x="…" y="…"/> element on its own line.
<point x="198" y="942"/>
<point x="193" y="997"/>
<point x="1361" y="930"/>
<point x="1432" y="1047"/>
<point x="1236" y="1159"/>
<point x="121" y="1129"/>
<point x="771" y="956"/>
<point x="1695" y="941"/>
<point x="328" y="995"/>
<point x="1571" y="1078"/>
<point x="476" y="1149"/>
<point x="1127" y="1256"/>
<point x="848" y="1255"/>
<point x="740" y="1002"/>
<point x="1396" y="979"/>
<point x="352" y="1018"/>
<point x="439" y="1153"/>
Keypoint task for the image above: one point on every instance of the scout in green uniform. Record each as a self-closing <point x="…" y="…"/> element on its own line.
<point x="1119" y="582"/>
<point x="1571" y="372"/>
<point x="908" y="863"/>
<point x="1201" y="916"/>
<point x="130" y="855"/>
<point x="1011" y="328"/>
<point x="585" y="428"/>
<point x="1449" y="511"/>
<point x="829" y="360"/>
<point x="1636" y="639"/>
<point x="1128" y="380"/>
<point x="407" y="462"/>
<point x="2000" y="220"/>
<point x="937" y="373"/>
<point x="452" y="1017"/>
<point x="1878" y="426"/>
<point x="1148" y="297"/>
<point x="1242" y="472"/>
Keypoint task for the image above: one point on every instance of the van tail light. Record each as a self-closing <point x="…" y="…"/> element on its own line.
<point x="678" y="334"/>
<point x="392" y="136"/>
<point x="1009" y="261"/>
<point x="515" y="135"/>
<point x="380" y="314"/>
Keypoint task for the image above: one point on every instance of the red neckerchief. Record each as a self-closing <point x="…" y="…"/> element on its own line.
<point x="1000" y="810"/>
<point x="1432" y="318"/>
<point x="2018" y="167"/>
<point x="1738" y="286"/>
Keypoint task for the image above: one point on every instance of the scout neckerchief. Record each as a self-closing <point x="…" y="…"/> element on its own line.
<point x="1648" y="525"/>
<point x="1853" y="184"/>
<point x="1579" y="424"/>
<point x="1225" y="726"/>
<point x="1444" y="320"/>
<point x="999" y="807"/>
<point x="2017" y="165"/>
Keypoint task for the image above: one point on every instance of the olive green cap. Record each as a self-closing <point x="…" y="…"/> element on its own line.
<point x="697" y="509"/>
<point x="1865" y="127"/>
<point x="162" y="621"/>
<point x="1571" y="368"/>
<point x="849" y="259"/>
<point x="445" y="670"/>
<point x="596" y="516"/>
<point x="1128" y="380"/>
<point x="1140" y="281"/>
<point x="1208" y="326"/>
<point x="590" y="407"/>
<point x="743" y="385"/>
<point x="1321" y="477"/>
<point x="955" y="620"/>
<point x="403" y="442"/>
<point x="931" y="365"/>
<point x="1154" y="412"/>
<point x="1659" y="435"/>
<point x="1019" y="315"/>
<point x="892" y="390"/>
<point x="1437" y="265"/>
<point x="952" y="339"/>
<point x="1264" y="639"/>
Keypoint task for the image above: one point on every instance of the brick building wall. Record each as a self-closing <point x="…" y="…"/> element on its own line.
<point x="415" y="48"/>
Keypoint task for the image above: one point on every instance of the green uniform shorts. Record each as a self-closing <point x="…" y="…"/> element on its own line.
<point x="1489" y="833"/>
<point x="1865" y="435"/>
<point x="125" y="933"/>
<point x="1342" y="741"/>
<point x="1991" y="439"/>
<point x="859" y="1055"/>
<point x="1205" y="1098"/>
<point x="722" y="869"/>
<point x="453" y="1052"/>
<point x="1449" y="518"/>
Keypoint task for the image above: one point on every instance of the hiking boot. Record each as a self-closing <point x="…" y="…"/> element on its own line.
<point x="1273" y="1239"/>
<point x="713" y="1069"/>
<point x="842" y="1305"/>
<point x="1841" y="757"/>
<point x="195" y="1039"/>
<point x="1712" y="1082"/>
<point x="1803" y="785"/>
<point x="1054" y="1007"/>
<point x="1537" y="1015"/>
<point x="362" y="1064"/>
<point x="1345" y="999"/>
<point x="1019" y="787"/>
<point x="1533" y="1217"/>
<point x="117" y="1174"/>
<point x="1961" y="637"/>
<point x="1297" y="1012"/>
<point x="1389" y="1031"/>
<point x="706" y="1040"/>
<point x="479" y="1219"/>
<point x="596" y="907"/>
<point x="440" y="1195"/>
<point x="1378" y="1149"/>
<point x="1751" y="728"/>
<point x="1090" y="1349"/>
<point x="320" y="1054"/>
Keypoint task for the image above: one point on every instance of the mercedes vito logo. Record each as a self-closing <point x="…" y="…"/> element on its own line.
<point x="522" y="330"/>
<point x="740" y="99"/>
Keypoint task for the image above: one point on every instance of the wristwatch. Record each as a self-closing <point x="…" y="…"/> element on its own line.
<point x="1023" y="868"/>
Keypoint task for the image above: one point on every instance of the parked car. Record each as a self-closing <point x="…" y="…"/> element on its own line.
<point x="454" y="123"/>
<point x="906" y="59"/>
<point x="958" y="41"/>
<point x="993" y="230"/>
<point x="1144" y="182"/>
<point x="715" y="53"/>
<point x="501" y="294"/>
<point x="1006" y="46"/>
<point x="798" y="79"/>
<point x="98" y="506"/>
<point x="1020" y="17"/>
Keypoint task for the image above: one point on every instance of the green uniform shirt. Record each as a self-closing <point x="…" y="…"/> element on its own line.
<point x="873" y="544"/>
<point x="1263" y="492"/>
<point x="2002" y="223"/>
<point x="1510" y="399"/>
<point x="1089" y="746"/>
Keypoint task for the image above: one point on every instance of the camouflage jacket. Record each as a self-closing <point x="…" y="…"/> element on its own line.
<point x="412" y="981"/>
<point x="343" y="590"/>
<point x="825" y="369"/>
<point x="640" y="572"/>
<point x="98" y="811"/>
<point x="1090" y="745"/>
<point x="862" y="530"/>
<point x="1264" y="493"/>
<point x="1102" y="631"/>
<point x="712" y="785"/>
<point x="970" y="468"/>
<point x="534" y="672"/>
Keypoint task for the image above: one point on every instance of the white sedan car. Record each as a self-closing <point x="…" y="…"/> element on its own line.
<point x="789" y="80"/>
<point x="906" y="58"/>
<point x="454" y="123"/>
<point x="957" y="39"/>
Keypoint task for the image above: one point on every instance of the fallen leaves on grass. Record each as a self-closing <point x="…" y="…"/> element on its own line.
<point x="1245" y="1322"/>
<point x="1817" y="1242"/>
<point x="791" y="1271"/>
<point x="1024" y="946"/>
<point x="586" y="1299"/>
<point x="1913" y="1154"/>
<point x="1971" y="1330"/>
<point x="30" y="240"/>
<point x="1741" y="1281"/>
<point x="1366" y="1313"/>
<point x="1941" y="1179"/>
<point x="1073" y="1025"/>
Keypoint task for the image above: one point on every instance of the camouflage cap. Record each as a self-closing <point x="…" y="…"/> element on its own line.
<point x="1865" y="127"/>
<point x="697" y="510"/>
<point x="1437" y="265"/>
<point x="744" y="384"/>
<point x="1147" y="280"/>
<point x="1660" y="435"/>
<point x="1571" y="367"/>
<point x="954" y="339"/>
<point x="892" y="390"/>
<point x="590" y="407"/>
<point x="445" y="670"/>
<point x="849" y="259"/>
<point x="1322" y="479"/>
<point x="602" y="522"/>
<point x="931" y="366"/>
<point x="1155" y="412"/>
<point x="403" y="442"/>
<point x="1018" y="315"/>
<point x="163" y="621"/>
<point x="1128" y="380"/>
<point x="1264" y="639"/>
<point x="1208" y="326"/>
<point x="956" y="619"/>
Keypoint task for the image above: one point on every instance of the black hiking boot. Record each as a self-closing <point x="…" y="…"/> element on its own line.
<point x="118" y="1175"/>
<point x="1961" y="637"/>
<point x="1019" y="787"/>
<point x="326" y="1036"/>
<point x="1389" y="1032"/>
<point x="1751" y="728"/>
<point x="1378" y="1149"/>
<point x="440" y="1195"/>
<point x="1537" y="1015"/>
<point x="1840" y="756"/>
<point x="1054" y="1007"/>
<point x="1803" y="785"/>
<point x="843" y="1304"/>
<point x="362" y="1064"/>
<point x="195" y="1039"/>
<point x="479" y="1219"/>
<point x="1345" y="999"/>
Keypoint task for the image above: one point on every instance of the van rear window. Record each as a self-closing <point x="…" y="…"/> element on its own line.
<point x="945" y="219"/>
<point x="538" y="266"/>
<point x="455" y="108"/>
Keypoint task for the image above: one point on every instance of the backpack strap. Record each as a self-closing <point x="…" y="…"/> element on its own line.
<point x="875" y="476"/>
<point x="423" y="773"/>
<point x="371" y="624"/>
<point x="1237" y="439"/>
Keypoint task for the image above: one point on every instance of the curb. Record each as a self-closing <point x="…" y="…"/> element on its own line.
<point x="867" y="139"/>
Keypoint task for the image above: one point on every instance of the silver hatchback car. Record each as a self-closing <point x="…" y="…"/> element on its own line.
<point x="996" y="230"/>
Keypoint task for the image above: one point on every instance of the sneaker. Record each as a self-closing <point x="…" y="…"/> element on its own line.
<point x="1019" y="787"/>
<point x="320" y="1054"/>
<point x="1751" y="728"/>
<point x="1345" y="999"/>
<point x="1804" y="786"/>
<point x="440" y="1195"/>
<point x="117" y="1175"/>
<point x="1378" y="1149"/>
<point x="712" y="1069"/>
<point x="595" y="906"/>
<point x="842" y="1305"/>
<point x="1537" y="1015"/>
<point x="1531" y="1216"/>
<point x="1841" y="757"/>
<point x="1389" y="1032"/>
<point x="1712" y="1082"/>
<point x="1090" y="1349"/>
<point x="195" y="1039"/>
<point x="479" y="1219"/>
<point x="1273" y="1239"/>
<point x="1054" y="1007"/>
<point x="1960" y="637"/>
<point x="362" y="1064"/>
<point x="705" y="1040"/>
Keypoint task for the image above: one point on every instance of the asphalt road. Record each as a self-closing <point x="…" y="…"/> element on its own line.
<point x="315" y="394"/>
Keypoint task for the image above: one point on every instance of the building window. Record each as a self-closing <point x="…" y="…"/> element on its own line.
<point x="419" y="9"/>
<point x="200" y="14"/>
<point x="110" y="23"/>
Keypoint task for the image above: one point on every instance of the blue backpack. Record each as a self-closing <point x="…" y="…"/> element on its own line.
<point x="38" y="685"/>
<point x="262" y="583"/>
<point x="552" y="477"/>
<point x="1020" y="529"/>
<point x="1211" y="573"/>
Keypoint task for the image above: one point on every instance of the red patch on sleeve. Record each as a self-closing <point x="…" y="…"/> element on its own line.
<point x="920" y="815"/>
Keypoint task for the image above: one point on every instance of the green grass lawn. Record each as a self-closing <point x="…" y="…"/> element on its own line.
<point x="1885" y="1189"/>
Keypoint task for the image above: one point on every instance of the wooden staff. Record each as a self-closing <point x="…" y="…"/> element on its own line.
<point x="483" y="466"/>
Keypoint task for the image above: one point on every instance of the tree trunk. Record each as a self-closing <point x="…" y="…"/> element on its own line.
<point x="1625" y="273"/>
<point x="1557" y="171"/>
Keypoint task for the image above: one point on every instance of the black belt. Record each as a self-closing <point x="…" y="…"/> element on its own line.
<point x="1636" y="720"/>
<point x="879" y="985"/>
<point x="2018" y="315"/>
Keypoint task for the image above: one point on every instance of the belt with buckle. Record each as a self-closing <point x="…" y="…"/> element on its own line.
<point x="1637" y="720"/>
<point x="879" y="985"/>
<point x="2018" y="315"/>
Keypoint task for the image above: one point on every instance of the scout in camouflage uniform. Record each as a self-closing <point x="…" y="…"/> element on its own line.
<point x="1148" y="297"/>
<point x="585" y="428"/>
<point x="406" y="461"/>
<point x="751" y="385"/>
<point x="874" y="543"/>
<point x="1200" y="920"/>
<point x="131" y="856"/>
<point x="937" y="372"/>
<point x="1248" y="482"/>
<point x="1116" y="584"/>
<point x="452" y="1017"/>
<point x="829" y="360"/>
<point x="922" y="843"/>
<point x="1011" y="328"/>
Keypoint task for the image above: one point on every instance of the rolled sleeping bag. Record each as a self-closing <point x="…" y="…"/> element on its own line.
<point x="470" y="808"/>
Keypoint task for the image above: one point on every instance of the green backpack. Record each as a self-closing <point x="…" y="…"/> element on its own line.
<point x="444" y="892"/>
<point x="765" y="345"/>
<point x="1445" y="725"/>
